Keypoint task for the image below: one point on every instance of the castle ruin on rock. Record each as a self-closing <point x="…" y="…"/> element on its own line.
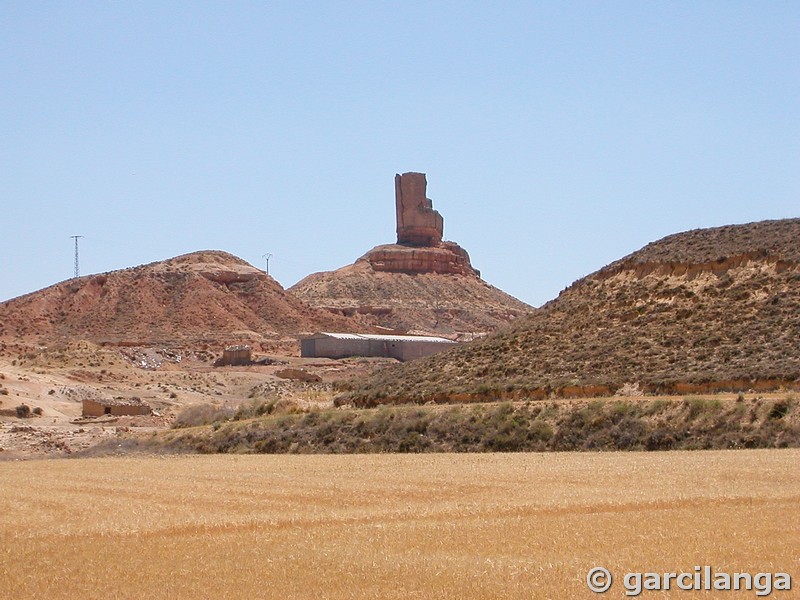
<point x="419" y="248"/>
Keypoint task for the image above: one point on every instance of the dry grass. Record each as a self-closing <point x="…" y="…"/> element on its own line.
<point x="665" y="423"/>
<point x="389" y="526"/>
<point x="698" y="312"/>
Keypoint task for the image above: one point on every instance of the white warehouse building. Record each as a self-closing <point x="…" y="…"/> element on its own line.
<point x="343" y="345"/>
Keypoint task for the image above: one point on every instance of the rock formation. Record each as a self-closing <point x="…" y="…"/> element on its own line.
<point x="447" y="258"/>
<point x="419" y="247"/>
<point x="417" y="223"/>
<point x="420" y="284"/>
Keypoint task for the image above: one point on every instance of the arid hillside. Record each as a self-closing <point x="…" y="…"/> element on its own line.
<point x="425" y="302"/>
<point x="698" y="311"/>
<point x="207" y="295"/>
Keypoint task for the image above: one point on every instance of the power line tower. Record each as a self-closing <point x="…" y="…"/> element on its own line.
<point x="77" y="270"/>
<point x="266" y="257"/>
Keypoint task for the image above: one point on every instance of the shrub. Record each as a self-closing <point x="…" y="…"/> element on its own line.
<point x="699" y="405"/>
<point x="266" y="408"/>
<point x="201" y="414"/>
<point x="655" y="406"/>
<point x="660" y="438"/>
<point x="779" y="410"/>
<point x="23" y="411"/>
<point x="540" y="430"/>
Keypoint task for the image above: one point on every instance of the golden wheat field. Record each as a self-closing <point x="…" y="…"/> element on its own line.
<point x="392" y="526"/>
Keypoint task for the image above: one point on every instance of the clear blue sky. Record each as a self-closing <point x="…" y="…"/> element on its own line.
<point x="556" y="136"/>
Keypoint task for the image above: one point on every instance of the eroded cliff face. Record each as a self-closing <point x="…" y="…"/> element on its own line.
<point x="446" y="259"/>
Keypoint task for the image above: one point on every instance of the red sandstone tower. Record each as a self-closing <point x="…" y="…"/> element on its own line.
<point x="417" y="223"/>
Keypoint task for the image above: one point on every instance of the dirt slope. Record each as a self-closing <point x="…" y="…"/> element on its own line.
<point x="440" y="303"/>
<point x="696" y="311"/>
<point x="208" y="295"/>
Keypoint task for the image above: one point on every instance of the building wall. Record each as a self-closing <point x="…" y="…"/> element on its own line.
<point x="338" y="348"/>
<point x="409" y="350"/>
<point x="122" y="410"/>
<point x="325" y="347"/>
<point x="308" y="348"/>
<point x="380" y="348"/>
<point x="92" y="408"/>
<point x="235" y="356"/>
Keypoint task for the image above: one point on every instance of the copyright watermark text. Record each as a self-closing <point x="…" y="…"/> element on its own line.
<point x="600" y="579"/>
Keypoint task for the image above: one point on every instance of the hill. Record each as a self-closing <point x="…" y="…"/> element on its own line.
<point x="698" y="311"/>
<point x="208" y="295"/>
<point x="423" y="302"/>
<point x="420" y="284"/>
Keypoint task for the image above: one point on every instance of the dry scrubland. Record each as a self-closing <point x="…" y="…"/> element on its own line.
<point x="390" y="526"/>
<point x="651" y="423"/>
<point x="693" y="313"/>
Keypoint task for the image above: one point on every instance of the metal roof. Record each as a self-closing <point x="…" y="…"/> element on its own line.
<point x="386" y="338"/>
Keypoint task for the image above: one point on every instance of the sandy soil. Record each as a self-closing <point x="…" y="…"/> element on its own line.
<point x="55" y="381"/>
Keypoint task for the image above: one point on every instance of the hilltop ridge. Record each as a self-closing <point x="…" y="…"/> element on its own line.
<point x="702" y="310"/>
<point x="205" y="295"/>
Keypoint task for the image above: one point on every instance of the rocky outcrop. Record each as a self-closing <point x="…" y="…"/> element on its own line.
<point x="419" y="248"/>
<point x="421" y="283"/>
<point x="417" y="223"/>
<point x="446" y="259"/>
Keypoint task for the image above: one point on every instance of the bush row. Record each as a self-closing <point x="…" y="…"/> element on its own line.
<point x="692" y="423"/>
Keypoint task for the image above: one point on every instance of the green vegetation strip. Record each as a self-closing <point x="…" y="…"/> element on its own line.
<point x="611" y="424"/>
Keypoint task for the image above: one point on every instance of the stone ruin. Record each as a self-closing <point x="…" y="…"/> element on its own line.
<point x="237" y="355"/>
<point x="419" y="248"/>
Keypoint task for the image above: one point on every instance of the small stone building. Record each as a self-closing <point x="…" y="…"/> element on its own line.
<point x="343" y="345"/>
<point x="118" y="407"/>
<point x="235" y="356"/>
